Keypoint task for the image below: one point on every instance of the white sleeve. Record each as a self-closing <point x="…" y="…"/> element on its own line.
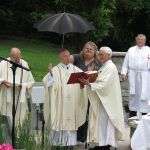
<point x="1" y="79"/>
<point x="102" y="83"/>
<point x="125" y="65"/>
<point x="50" y="80"/>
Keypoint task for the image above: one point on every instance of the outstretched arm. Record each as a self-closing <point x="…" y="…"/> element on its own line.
<point x="125" y="67"/>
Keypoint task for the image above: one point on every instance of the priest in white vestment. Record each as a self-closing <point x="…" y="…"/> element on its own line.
<point x="106" y="120"/>
<point x="24" y="81"/>
<point x="136" y="67"/>
<point x="65" y="104"/>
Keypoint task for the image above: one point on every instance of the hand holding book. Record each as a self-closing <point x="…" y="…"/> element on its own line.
<point x="83" y="78"/>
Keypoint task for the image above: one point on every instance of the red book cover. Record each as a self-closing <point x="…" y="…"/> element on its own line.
<point x="74" y="77"/>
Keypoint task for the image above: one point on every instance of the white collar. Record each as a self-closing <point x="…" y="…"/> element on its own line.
<point x="140" y="47"/>
<point x="19" y="61"/>
<point x="65" y="66"/>
<point x="104" y="64"/>
<point x="108" y="61"/>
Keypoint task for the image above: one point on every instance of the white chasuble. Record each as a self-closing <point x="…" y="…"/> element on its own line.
<point x="106" y="121"/>
<point x="65" y="105"/>
<point x="24" y="81"/>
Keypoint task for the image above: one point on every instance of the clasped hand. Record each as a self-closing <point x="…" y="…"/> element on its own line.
<point x="84" y="81"/>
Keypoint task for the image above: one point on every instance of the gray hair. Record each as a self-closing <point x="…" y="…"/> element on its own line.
<point x="141" y="35"/>
<point x="106" y="49"/>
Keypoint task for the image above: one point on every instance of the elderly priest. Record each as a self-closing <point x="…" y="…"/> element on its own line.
<point x="65" y="104"/>
<point x="24" y="81"/>
<point x="106" y="121"/>
<point x="136" y="67"/>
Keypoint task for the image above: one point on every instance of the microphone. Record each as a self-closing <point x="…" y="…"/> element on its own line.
<point x="16" y="64"/>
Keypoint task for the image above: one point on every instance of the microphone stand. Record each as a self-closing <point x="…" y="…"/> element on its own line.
<point x="43" y="125"/>
<point x="14" y="67"/>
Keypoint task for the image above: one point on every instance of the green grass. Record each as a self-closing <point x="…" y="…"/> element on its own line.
<point x="37" y="53"/>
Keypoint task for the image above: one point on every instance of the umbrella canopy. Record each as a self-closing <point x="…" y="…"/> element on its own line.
<point x="63" y="23"/>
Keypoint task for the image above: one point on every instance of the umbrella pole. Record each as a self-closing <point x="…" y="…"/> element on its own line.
<point x="63" y="39"/>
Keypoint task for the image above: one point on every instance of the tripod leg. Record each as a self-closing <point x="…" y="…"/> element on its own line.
<point x="43" y="126"/>
<point x="37" y="126"/>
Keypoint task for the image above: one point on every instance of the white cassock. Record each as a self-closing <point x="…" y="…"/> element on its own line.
<point x="24" y="81"/>
<point x="137" y="66"/>
<point x="65" y="105"/>
<point x="106" y="121"/>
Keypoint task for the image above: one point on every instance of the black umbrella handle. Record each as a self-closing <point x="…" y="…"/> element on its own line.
<point x="63" y="40"/>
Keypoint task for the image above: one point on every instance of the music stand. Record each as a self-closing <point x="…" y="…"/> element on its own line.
<point x="38" y="100"/>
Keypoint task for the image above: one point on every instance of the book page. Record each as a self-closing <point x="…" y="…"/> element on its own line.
<point x="91" y="72"/>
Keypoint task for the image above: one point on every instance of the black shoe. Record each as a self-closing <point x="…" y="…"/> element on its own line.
<point x="92" y="148"/>
<point x="96" y="148"/>
<point x="107" y="147"/>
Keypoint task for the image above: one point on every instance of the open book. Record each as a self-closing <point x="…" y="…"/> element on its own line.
<point x="74" y="77"/>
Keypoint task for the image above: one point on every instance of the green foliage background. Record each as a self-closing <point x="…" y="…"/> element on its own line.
<point x="38" y="53"/>
<point x="116" y="21"/>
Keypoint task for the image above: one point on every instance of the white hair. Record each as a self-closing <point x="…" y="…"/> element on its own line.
<point x="106" y="50"/>
<point x="141" y="36"/>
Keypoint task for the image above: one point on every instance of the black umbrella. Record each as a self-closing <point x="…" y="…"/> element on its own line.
<point x="64" y="23"/>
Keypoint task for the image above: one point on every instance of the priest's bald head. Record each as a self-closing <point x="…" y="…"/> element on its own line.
<point x="15" y="54"/>
<point x="64" y="56"/>
<point x="104" y="54"/>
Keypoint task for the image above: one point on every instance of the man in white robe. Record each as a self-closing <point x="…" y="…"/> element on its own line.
<point x="136" y="66"/>
<point x="106" y="121"/>
<point x="65" y="104"/>
<point x="24" y="81"/>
